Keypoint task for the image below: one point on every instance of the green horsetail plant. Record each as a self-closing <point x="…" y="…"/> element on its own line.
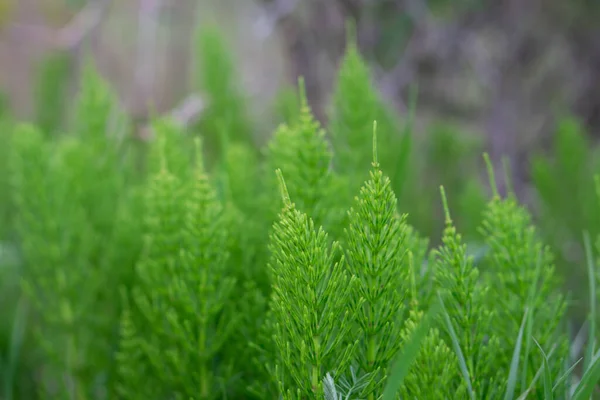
<point x="375" y="254"/>
<point x="176" y="150"/>
<point x="435" y="364"/>
<point x="238" y="185"/>
<point x="302" y="153"/>
<point x="310" y="304"/>
<point x="457" y="280"/>
<point x="519" y="272"/>
<point x="104" y="177"/>
<point x="415" y="347"/>
<point x="56" y="246"/>
<point x="179" y="316"/>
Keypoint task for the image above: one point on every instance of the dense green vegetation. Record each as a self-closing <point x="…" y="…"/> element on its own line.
<point x="328" y="265"/>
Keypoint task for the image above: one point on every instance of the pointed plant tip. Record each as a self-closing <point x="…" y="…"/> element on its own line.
<point x="375" y="161"/>
<point x="198" y="150"/>
<point x="445" y="205"/>
<point x="283" y="188"/>
<point x="351" y="37"/>
<point x="302" y="92"/>
<point x="162" y="157"/>
<point x="491" y="175"/>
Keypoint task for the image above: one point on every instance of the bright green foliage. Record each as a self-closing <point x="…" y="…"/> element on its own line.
<point x="310" y="303"/>
<point x="374" y="253"/>
<point x="447" y="158"/>
<point x="238" y="182"/>
<point x="66" y="193"/>
<point x="148" y="275"/>
<point x="435" y="367"/>
<point x="303" y="155"/>
<point x="15" y="362"/>
<point x="458" y="281"/>
<point x="179" y="318"/>
<point x="56" y="253"/>
<point x="519" y="272"/>
<point x="176" y="152"/>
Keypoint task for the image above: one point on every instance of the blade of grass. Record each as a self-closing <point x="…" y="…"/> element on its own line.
<point x="514" y="364"/>
<point x="589" y="380"/>
<point x="408" y="355"/>
<point x="529" y="325"/>
<point x="566" y="375"/>
<point x="592" y="315"/>
<point x="16" y="341"/>
<point x="456" y="344"/>
<point x="533" y="382"/>
<point x="548" y="394"/>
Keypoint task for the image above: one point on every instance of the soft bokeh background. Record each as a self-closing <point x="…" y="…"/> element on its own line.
<point x="503" y="69"/>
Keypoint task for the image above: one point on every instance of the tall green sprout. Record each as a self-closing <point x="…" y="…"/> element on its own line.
<point x="309" y="304"/>
<point x="375" y="255"/>
<point x="56" y="246"/>
<point x="457" y="279"/>
<point x="179" y="316"/>
<point x="302" y="153"/>
<point x="520" y="273"/>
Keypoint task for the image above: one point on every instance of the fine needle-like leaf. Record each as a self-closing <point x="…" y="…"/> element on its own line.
<point x="548" y="394"/>
<point x="592" y="314"/>
<point x="456" y="344"/>
<point x="514" y="364"/>
<point x="533" y="382"/>
<point x="566" y="375"/>
<point x="590" y="379"/>
<point x="408" y="354"/>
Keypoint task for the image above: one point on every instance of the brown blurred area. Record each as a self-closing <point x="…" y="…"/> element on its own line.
<point x="502" y="68"/>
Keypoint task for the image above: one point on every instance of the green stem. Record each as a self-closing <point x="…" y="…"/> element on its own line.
<point x="371" y="359"/>
<point x="204" y="378"/>
<point x="316" y="369"/>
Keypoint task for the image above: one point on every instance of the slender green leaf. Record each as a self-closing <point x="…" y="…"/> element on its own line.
<point x="456" y="344"/>
<point x="514" y="365"/>
<point x="548" y="394"/>
<point x="589" y="381"/>
<point x="592" y="287"/>
<point x="408" y="354"/>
